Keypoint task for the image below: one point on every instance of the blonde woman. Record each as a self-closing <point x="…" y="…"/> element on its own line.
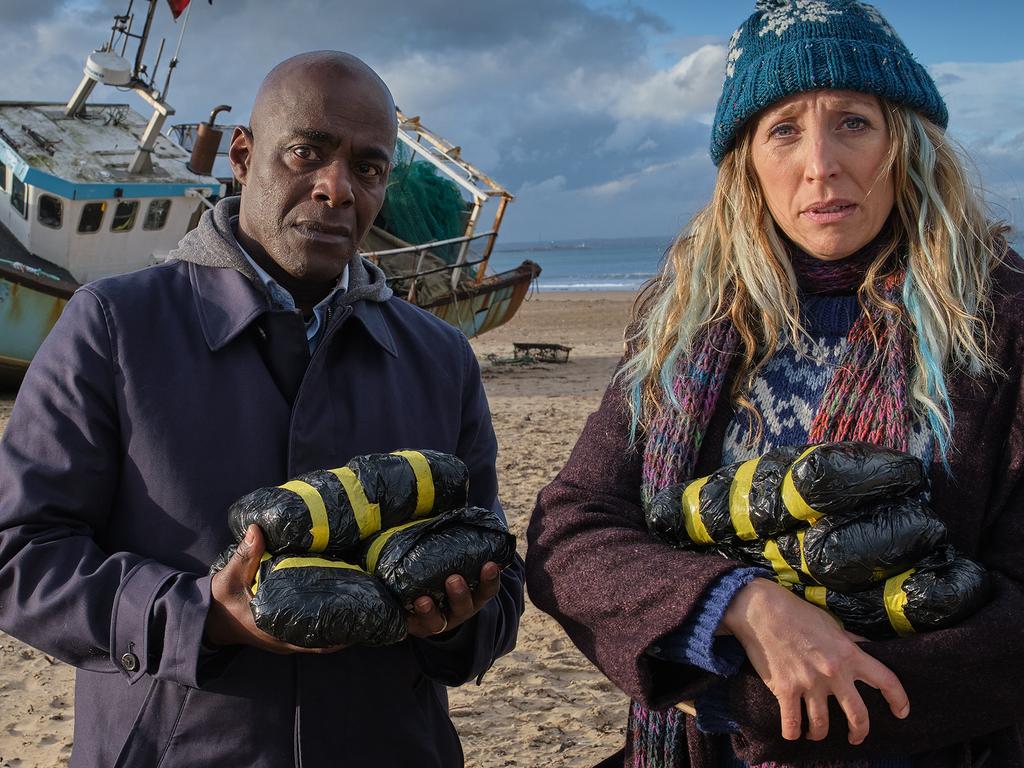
<point x="843" y="283"/>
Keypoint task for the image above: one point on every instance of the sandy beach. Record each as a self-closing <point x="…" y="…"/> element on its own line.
<point x="543" y="705"/>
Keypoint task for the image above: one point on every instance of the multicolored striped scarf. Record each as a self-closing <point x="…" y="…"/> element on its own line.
<point x="865" y="400"/>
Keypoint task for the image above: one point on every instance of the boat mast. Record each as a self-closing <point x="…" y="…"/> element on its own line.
<point x="109" y="67"/>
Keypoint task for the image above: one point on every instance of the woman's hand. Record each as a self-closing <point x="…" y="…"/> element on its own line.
<point x="801" y="653"/>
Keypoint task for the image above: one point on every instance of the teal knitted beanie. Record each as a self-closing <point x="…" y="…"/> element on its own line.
<point x="791" y="46"/>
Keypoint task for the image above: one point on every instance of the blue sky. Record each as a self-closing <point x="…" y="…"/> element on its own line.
<point x="595" y="114"/>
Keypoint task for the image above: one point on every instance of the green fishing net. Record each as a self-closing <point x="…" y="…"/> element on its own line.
<point x="422" y="206"/>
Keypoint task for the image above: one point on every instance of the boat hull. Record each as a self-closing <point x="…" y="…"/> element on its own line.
<point x="27" y="314"/>
<point x="29" y="311"/>
<point x="483" y="306"/>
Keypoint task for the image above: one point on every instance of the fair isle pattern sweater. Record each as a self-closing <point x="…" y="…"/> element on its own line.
<point x="789" y="388"/>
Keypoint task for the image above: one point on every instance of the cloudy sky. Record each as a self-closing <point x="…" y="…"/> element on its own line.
<point x="595" y="114"/>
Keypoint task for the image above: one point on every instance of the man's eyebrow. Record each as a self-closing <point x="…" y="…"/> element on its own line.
<point x="310" y="134"/>
<point x="375" y="153"/>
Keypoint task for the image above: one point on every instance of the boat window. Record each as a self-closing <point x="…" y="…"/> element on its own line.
<point x="3" y="177"/>
<point x="156" y="214"/>
<point x="18" y="196"/>
<point x="124" y="216"/>
<point x="92" y="217"/>
<point x="51" y="211"/>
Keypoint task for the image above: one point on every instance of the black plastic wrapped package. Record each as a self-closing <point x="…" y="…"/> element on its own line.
<point x="416" y="558"/>
<point x="943" y="590"/>
<point x="409" y="485"/>
<point x="782" y="556"/>
<point x="330" y="511"/>
<point x="740" y="502"/>
<point x="838" y="477"/>
<point x="319" y="603"/>
<point x="222" y="559"/>
<point x="851" y="551"/>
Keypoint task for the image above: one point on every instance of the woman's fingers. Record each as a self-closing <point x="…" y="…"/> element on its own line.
<point x="879" y="676"/>
<point x="790" y="714"/>
<point x="817" y="716"/>
<point x="856" y="713"/>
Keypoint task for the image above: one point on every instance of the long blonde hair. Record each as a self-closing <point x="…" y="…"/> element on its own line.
<point x="730" y="262"/>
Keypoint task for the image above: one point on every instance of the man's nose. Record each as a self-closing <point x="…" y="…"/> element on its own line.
<point x="821" y="161"/>
<point x="333" y="185"/>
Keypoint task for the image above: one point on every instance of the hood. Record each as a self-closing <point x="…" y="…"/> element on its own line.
<point x="213" y="244"/>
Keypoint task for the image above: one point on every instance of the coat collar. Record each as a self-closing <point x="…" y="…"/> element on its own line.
<point x="229" y="295"/>
<point x="227" y="302"/>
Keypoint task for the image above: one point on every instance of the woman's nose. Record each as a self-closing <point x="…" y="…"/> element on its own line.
<point x="822" y="156"/>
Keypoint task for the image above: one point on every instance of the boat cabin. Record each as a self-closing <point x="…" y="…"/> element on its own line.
<point x="66" y="193"/>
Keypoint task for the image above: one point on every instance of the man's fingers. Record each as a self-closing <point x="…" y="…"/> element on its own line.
<point x="817" y="716"/>
<point x="246" y="561"/>
<point x="460" y="599"/>
<point x="428" y="619"/>
<point x="856" y="713"/>
<point x="490" y="581"/>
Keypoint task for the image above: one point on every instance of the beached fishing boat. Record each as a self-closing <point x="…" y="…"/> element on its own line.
<point x="89" y="190"/>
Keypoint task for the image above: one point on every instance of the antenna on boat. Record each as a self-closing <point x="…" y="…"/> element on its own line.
<point x="110" y="67"/>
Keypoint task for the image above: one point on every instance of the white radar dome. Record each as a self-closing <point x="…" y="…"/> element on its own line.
<point x="108" y="68"/>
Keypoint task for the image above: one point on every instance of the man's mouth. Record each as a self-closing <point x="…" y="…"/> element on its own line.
<point x="315" y="230"/>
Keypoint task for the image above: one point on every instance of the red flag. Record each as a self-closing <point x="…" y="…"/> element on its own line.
<point x="177" y="6"/>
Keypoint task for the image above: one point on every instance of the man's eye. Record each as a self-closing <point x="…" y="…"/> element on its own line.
<point x="304" y="152"/>
<point x="368" y="169"/>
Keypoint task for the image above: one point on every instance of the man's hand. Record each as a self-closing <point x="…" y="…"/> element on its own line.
<point x="463" y="604"/>
<point x="230" y="620"/>
<point x="801" y="653"/>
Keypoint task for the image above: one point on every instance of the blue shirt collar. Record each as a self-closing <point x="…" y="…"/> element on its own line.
<point x="280" y="298"/>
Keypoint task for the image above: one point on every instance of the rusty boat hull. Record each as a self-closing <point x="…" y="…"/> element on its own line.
<point x="33" y="293"/>
<point x="483" y="306"/>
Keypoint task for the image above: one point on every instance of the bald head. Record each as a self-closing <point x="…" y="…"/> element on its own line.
<point x="314" y="168"/>
<point x="319" y="71"/>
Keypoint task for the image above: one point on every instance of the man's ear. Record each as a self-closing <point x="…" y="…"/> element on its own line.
<point x="240" y="153"/>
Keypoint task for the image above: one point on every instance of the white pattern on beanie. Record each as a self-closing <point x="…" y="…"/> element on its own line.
<point x="734" y="53"/>
<point x="781" y="17"/>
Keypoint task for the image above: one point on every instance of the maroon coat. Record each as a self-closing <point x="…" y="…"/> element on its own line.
<point x="592" y="565"/>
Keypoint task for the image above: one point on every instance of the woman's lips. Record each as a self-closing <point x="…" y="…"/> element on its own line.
<point x="827" y="214"/>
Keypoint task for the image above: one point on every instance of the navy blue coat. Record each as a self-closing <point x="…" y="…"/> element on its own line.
<point x="146" y="412"/>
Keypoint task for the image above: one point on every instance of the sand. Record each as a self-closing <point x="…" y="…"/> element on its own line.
<point x="542" y="705"/>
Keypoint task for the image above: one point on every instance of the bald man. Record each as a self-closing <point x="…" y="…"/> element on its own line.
<point x="265" y="349"/>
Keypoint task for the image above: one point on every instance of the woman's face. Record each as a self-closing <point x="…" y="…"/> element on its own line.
<point x="820" y="158"/>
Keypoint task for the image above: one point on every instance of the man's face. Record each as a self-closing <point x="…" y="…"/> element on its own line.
<point x="314" y="171"/>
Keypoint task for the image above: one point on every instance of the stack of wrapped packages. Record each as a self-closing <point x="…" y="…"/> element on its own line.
<point x="845" y="526"/>
<point x="348" y="550"/>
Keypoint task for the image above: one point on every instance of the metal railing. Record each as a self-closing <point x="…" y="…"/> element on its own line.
<point x="422" y="249"/>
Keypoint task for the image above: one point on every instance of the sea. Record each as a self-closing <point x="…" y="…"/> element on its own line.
<point x="594" y="265"/>
<point x="586" y="265"/>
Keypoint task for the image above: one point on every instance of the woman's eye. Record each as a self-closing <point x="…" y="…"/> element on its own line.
<point x="854" y="123"/>
<point x="781" y="131"/>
